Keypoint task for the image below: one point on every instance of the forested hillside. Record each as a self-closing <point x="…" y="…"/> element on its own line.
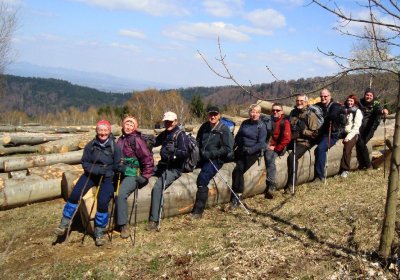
<point x="36" y="96"/>
<point x="54" y="101"/>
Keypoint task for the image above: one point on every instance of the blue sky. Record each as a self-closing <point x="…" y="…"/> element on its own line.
<point x="158" y="40"/>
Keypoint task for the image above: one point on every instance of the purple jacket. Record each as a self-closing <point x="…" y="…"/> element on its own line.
<point x="133" y="146"/>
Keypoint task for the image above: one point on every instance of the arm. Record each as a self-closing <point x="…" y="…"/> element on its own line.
<point x="311" y="126"/>
<point x="285" y="139"/>
<point x="226" y="147"/>
<point x="145" y="158"/>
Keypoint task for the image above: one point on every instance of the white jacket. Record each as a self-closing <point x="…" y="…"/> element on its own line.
<point x="352" y="127"/>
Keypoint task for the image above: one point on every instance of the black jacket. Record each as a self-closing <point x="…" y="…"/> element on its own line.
<point x="334" y="116"/>
<point x="372" y="112"/>
<point x="213" y="142"/>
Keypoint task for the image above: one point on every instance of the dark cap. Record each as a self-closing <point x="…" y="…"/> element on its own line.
<point x="213" y="109"/>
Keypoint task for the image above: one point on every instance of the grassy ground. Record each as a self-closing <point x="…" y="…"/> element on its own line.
<point x="323" y="232"/>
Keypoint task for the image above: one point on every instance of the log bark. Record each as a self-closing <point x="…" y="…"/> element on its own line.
<point x="24" y="149"/>
<point x="67" y="144"/>
<point x="180" y="196"/>
<point x="22" y="191"/>
<point x="17" y="140"/>
<point x="20" y="163"/>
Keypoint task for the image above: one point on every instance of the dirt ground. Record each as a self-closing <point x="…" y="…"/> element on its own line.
<point x="324" y="232"/>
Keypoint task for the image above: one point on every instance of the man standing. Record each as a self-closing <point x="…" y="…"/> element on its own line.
<point x="174" y="152"/>
<point x="305" y="125"/>
<point x="276" y="146"/>
<point x="214" y="145"/>
<point x="334" y="120"/>
<point x="372" y="114"/>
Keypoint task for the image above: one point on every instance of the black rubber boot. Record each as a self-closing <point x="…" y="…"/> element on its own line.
<point x="201" y="200"/>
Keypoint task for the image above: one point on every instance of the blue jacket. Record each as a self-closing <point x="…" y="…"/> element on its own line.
<point x="251" y="137"/>
<point x="176" y="137"/>
<point x="99" y="159"/>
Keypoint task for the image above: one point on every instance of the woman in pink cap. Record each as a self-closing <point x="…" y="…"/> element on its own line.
<point x="99" y="161"/>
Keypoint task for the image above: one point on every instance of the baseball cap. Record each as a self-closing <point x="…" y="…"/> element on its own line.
<point x="213" y="109"/>
<point x="170" y="116"/>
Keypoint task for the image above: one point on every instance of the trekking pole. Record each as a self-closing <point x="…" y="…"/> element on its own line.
<point x="327" y="151"/>
<point x="112" y="220"/>
<point x="230" y="188"/>
<point x="294" y="166"/>
<point x="91" y="210"/>
<point x="134" y="205"/>
<point x="162" y="199"/>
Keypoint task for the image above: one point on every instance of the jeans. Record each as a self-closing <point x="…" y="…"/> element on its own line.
<point x="320" y="154"/>
<point x="270" y="157"/>
<point x="207" y="172"/>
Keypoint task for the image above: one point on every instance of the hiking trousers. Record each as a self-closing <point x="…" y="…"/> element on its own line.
<point x="362" y="153"/>
<point x="242" y="165"/>
<point x="346" y="157"/>
<point x="165" y="178"/>
<point x="300" y="151"/>
<point x="128" y="186"/>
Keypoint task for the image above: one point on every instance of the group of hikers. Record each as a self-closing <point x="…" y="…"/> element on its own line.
<point x="322" y="124"/>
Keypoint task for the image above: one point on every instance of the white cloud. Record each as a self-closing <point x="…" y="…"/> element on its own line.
<point x="266" y="18"/>
<point x="132" y="33"/>
<point x="222" y="8"/>
<point x="290" y="2"/>
<point x="51" y="37"/>
<point x="152" y="7"/>
<point x="193" y="31"/>
<point x="132" y="48"/>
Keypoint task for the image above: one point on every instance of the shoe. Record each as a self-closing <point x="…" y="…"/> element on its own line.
<point x="125" y="231"/>
<point x="344" y="174"/>
<point x="100" y="240"/>
<point x="60" y="231"/>
<point x="318" y="180"/>
<point x="196" y="216"/>
<point x="233" y="205"/>
<point x="152" y="226"/>
<point x="286" y="190"/>
<point x="268" y="194"/>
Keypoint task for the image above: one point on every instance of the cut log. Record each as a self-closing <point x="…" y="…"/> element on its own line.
<point x="54" y="171"/>
<point x="18" y="150"/>
<point x="20" y="163"/>
<point x="17" y="192"/>
<point x="68" y="181"/>
<point x="266" y="107"/>
<point x="180" y="196"/>
<point x="17" y="140"/>
<point x="67" y="144"/>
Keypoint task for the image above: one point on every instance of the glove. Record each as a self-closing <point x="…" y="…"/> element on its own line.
<point x="246" y="151"/>
<point x="141" y="181"/>
<point x="206" y="155"/>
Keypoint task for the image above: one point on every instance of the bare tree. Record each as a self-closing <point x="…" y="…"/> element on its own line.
<point x="383" y="25"/>
<point x="8" y="25"/>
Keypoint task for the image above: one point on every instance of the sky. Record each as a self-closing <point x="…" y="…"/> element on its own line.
<point x="160" y="40"/>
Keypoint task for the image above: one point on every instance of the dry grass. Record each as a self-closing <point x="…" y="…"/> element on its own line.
<point x="324" y="232"/>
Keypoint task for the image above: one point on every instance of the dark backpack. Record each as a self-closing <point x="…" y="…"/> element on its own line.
<point x="193" y="148"/>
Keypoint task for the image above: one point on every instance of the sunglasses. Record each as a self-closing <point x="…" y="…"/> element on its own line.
<point x="276" y="110"/>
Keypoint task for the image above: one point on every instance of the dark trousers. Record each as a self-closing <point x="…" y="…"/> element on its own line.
<point x="347" y="148"/>
<point x="86" y="182"/>
<point x="300" y="151"/>
<point x="362" y="153"/>
<point x="242" y="165"/>
<point x="207" y="172"/>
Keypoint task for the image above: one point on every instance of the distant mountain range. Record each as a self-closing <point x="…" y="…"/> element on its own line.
<point x="100" y="81"/>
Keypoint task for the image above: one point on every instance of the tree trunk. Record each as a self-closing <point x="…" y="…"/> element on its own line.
<point x="18" y="150"/>
<point x="389" y="218"/>
<point x="22" y="191"/>
<point x="67" y="144"/>
<point x="17" y="140"/>
<point x="19" y="163"/>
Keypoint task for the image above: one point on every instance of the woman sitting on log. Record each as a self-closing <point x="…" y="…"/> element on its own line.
<point x="99" y="161"/>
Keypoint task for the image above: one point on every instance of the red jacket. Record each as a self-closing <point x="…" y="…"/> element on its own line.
<point x="286" y="137"/>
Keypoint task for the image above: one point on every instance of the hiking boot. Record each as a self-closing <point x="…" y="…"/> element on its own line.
<point x="62" y="228"/>
<point x="100" y="240"/>
<point x="60" y="231"/>
<point x="268" y="194"/>
<point x="344" y="174"/>
<point x="318" y="181"/>
<point x="125" y="231"/>
<point x="286" y="190"/>
<point x="152" y="226"/>
<point x="233" y="204"/>
<point x="196" y="216"/>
